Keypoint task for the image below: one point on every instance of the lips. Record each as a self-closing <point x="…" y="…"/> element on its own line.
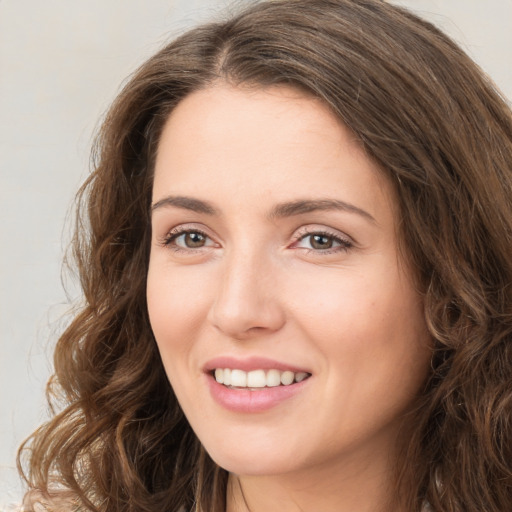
<point x="254" y="385"/>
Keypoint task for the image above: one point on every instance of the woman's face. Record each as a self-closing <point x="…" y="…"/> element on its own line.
<point x="274" y="266"/>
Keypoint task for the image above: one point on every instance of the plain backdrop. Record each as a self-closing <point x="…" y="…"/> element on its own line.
<point x="61" y="64"/>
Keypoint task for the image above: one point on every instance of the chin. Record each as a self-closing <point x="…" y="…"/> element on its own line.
<point x="253" y="460"/>
<point x="253" y="467"/>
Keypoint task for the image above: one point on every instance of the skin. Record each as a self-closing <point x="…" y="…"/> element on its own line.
<point x="257" y="284"/>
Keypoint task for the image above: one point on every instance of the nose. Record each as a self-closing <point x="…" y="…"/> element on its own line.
<point x="247" y="301"/>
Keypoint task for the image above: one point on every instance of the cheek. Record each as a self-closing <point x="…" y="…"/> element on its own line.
<point x="339" y="305"/>
<point x="367" y="325"/>
<point x="176" y="302"/>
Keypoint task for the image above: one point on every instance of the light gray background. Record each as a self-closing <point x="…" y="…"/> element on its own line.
<point x="61" y="63"/>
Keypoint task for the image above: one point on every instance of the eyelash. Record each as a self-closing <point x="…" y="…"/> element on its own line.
<point x="344" y="243"/>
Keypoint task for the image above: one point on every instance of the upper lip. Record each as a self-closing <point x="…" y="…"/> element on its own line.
<point x="251" y="363"/>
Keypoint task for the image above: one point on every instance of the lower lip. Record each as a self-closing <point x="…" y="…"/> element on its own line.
<point x="253" y="400"/>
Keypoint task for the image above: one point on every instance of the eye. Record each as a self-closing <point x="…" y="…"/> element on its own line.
<point x="322" y="242"/>
<point x="187" y="239"/>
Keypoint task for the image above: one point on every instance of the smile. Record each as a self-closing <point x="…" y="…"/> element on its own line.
<point x="236" y="378"/>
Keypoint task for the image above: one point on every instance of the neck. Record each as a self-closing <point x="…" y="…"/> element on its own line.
<point x="346" y="486"/>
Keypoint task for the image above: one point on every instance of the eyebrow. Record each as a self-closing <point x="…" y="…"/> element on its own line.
<point x="186" y="203"/>
<point x="302" y="206"/>
<point x="287" y="209"/>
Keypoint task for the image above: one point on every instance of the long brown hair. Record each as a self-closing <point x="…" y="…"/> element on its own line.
<point x="438" y="129"/>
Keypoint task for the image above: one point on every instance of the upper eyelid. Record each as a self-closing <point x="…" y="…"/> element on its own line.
<point x="319" y="229"/>
<point x="189" y="227"/>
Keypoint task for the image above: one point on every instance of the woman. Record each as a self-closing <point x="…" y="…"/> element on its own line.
<point x="301" y="219"/>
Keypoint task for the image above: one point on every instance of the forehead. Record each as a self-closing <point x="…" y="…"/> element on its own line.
<point x="265" y="144"/>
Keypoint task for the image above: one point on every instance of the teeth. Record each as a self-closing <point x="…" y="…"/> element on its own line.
<point x="238" y="378"/>
<point x="219" y="375"/>
<point x="287" y="378"/>
<point x="273" y="378"/>
<point x="299" y="377"/>
<point x="257" y="378"/>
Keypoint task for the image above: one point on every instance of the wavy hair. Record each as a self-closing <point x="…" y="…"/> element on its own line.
<point x="442" y="134"/>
